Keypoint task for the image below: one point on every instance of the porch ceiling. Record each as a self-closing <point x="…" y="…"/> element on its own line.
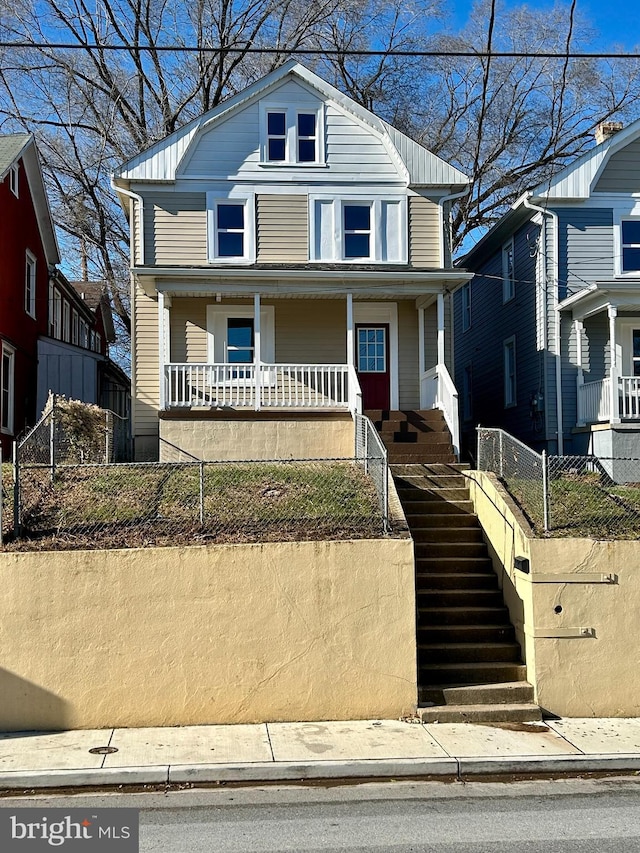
<point x="623" y="295"/>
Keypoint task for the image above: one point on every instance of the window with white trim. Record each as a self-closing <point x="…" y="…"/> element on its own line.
<point x="98" y="342"/>
<point x="231" y="228"/>
<point x="508" y="272"/>
<point x="509" y="361"/>
<point x="466" y="306"/>
<point x="75" y="327"/>
<point x="57" y="314"/>
<point x="30" y="284"/>
<point x="66" y="321"/>
<point x="13" y="180"/>
<point x="291" y="136"/>
<point x="357" y="229"/>
<point x="630" y="244"/>
<point x="7" y="380"/>
<point x="84" y="334"/>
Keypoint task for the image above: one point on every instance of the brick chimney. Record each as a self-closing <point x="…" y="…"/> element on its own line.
<point x="606" y="129"/>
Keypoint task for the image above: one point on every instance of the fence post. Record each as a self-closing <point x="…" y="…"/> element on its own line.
<point x="17" y="521"/>
<point x="545" y="490"/>
<point x="366" y="447"/>
<point x="108" y="441"/>
<point x="201" y="493"/>
<point x="52" y="442"/>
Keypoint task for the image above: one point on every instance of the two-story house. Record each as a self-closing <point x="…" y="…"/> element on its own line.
<point x="547" y="334"/>
<point x="290" y="266"/>
<point x="28" y="250"/>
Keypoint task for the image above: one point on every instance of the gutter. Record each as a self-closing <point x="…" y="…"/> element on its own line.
<point x="557" y="342"/>
<point x="441" y="203"/>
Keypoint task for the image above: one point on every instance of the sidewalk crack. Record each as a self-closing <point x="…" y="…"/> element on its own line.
<point x="273" y="758"/>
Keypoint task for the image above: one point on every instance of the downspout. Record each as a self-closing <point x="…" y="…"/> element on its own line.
<point x="557" y="342"/>
<point x="135" y="197"/>
<point x="441" y="203"/>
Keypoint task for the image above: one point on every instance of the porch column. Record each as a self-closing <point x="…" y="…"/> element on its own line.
<point x="577" y="325"/>
<point x="164" y="346"/>
<point x="420" y="353"/>
<point x="614" y="410"/>
<point x="256" y="351"/>
<point x="440" y="329"/>
<point x="350" y="332"/>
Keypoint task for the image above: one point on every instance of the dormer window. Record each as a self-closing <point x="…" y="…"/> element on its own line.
<point x="291" y="137"/>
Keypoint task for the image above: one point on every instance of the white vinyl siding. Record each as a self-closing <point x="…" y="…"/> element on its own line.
<point x="188" y="323"/>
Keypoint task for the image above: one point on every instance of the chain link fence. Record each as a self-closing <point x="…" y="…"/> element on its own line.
<point x="372" y="456"/>
<point x="582" y="496"/>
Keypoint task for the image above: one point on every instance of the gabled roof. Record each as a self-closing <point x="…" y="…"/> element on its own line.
<point x="95" y="295"/>
<point x="161" y="161"/>
<point x="16" y="146"/>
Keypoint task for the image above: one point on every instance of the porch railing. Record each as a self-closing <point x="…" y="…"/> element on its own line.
<point x="307" y="386"/>
<point x="437" y="391"/>
<point x="594" y="398"/>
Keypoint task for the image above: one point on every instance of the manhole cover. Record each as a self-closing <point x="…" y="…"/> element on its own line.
<point x="103" y="750"/>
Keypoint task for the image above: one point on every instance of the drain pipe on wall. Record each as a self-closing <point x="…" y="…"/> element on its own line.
<point x="557" y="338"/>
<point x="441" y="203"/>
<point x="132" y="221"/>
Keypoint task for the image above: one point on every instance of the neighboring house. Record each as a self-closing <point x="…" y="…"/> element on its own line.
<point x="547" y="335"/>
<point x="290" y="262"/>
<point x="28" y="250"/>
<point x="74" y="354"/>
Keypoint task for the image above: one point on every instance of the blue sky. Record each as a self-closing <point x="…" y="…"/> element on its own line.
<point x="617" y="21"/>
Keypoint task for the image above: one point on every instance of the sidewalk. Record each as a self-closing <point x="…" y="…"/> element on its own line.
<point x="299" y="751"/>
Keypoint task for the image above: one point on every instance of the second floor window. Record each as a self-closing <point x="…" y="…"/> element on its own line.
<point x="630" y="245"/>
<point x="231" y="228"/>
<point x="30" y="285"/>
<point x="357" y="230"/>
<point x="75" y="329"/>
<point x="508" y="273"/>
<point x="57" y="314"/>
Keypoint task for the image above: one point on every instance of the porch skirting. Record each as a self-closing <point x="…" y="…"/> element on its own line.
<point x="258" y="435"/>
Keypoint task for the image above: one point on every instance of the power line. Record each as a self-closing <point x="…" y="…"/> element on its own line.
<point x="181" y="48"/>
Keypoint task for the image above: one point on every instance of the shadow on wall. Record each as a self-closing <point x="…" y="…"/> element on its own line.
<point x="24" y="706"/>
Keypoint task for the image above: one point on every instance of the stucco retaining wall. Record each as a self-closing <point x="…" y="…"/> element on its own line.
<point x="575" y="613"/>
<point x="218" y="634"/>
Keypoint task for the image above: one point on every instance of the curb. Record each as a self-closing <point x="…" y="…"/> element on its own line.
<point x="105" y="776"/>
<point x="515" y="765"/>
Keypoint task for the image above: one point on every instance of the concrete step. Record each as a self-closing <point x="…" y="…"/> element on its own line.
<point x="428" y="597"/>
<point x="455" y="535"/>
<point x="422" y="519"/>
<point x="409" y="415"/>
<point x="422" y="453"/>
<point x="477" y="615"/>
<point x="457" y="580"/>
<point x="471" y="673"/>
<point x="438" y="484"/>
<point x="468" y="652"/>
<point x="450" y="469"/>
<point x="450" y="549"/>
<point x="442" y="565"/>
<point x="436" y="506"/>
<point x="466" y="634"/>
<point x="409" y="492"/>
<point x="497" y="693"/>
<point x="528" y="713"/>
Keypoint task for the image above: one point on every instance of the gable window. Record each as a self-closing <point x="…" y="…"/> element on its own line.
<point x="7" y="387"/>
<point x="508" y="274"/>
<point x="630" y="229"/>
<point x="466" y="306"/>
<point x="231" y="228"/>
<point x="30" y="284"/>
<point x="357" y="230"/>
<point x="306" y="137"/>
<point x="13" y="180"/>
<point x="509" y="359"/>
<point x="276" y="136"/>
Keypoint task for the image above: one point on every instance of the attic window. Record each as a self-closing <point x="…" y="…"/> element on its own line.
<point x="276" y="136"/>
<point x="13" y="180"/>
<point x="291" y="137"/>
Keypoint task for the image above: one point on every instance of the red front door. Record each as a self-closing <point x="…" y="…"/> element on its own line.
<point x="372" y="364"/>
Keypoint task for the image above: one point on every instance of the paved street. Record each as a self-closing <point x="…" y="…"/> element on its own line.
<point x="565" y="816"/>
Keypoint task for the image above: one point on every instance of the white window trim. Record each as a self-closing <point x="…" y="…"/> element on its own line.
<point x="217" y="316"/>
<point x="214" y="198"/>
<point x="66" y="321"/>
<point x="291" y="127"/>
<point x="618" y="246"/>
<point x="57" y="315"/>
<point x="13" y="181"/>
<point x="75" y="327"/>
<point x="8" y="349"/>
<point x="506" y="344"/>
<point x="30" y="300"/>
<point x="376" y="313"/>
<point x="466" y="308"/>
<point x="508" y="281"/>
<point x="377" y="245"/>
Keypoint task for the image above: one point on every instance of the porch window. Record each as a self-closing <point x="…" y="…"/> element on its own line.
<point x="7" y="386"/>
<point x="635" y="358"/>
<point x="508" y="275"/>
<point x="30" y="284"/>
<point x="509" y="358"/>
<point x="276" y="136"/>
<point x="240" y="340"/>
<point x="630" y="245"/>
<point x="372" y="356"/>
<point x="357" y="230"/>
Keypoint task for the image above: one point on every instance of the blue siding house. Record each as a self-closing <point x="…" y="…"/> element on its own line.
<point x="547" y="333"/>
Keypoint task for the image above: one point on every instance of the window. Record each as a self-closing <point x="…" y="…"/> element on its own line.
<point x="291" y="136"/>
<point x="508" y="274"/>
<point x="276" y="136"/>
<point x="75" y="332"/>
<point x="630" y="245"/>
<point x="57" y="314"/>
<point x="84" y="334"/>
<point x="635" y="356"/>
<point x="372" y="350"/>
<point x="466" y="306"/>
<point x="13" y="180"/>
<point x="98" y="342"/>
<point x="92" y="338"/>
<point x="30" y="285"/>
<point x="6" y="388"/>
<point x="240" y="340"/>
<point x="231" y="228"/>
<point x="509" y="356"/>
<point x="357" y="230"/>
<point x="66" y="321"/>
<point x="467" y="393"/>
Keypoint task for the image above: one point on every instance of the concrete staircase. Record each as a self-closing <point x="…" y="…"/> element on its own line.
<point x="412" y="437"/>
<point x="469" y="663"/>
